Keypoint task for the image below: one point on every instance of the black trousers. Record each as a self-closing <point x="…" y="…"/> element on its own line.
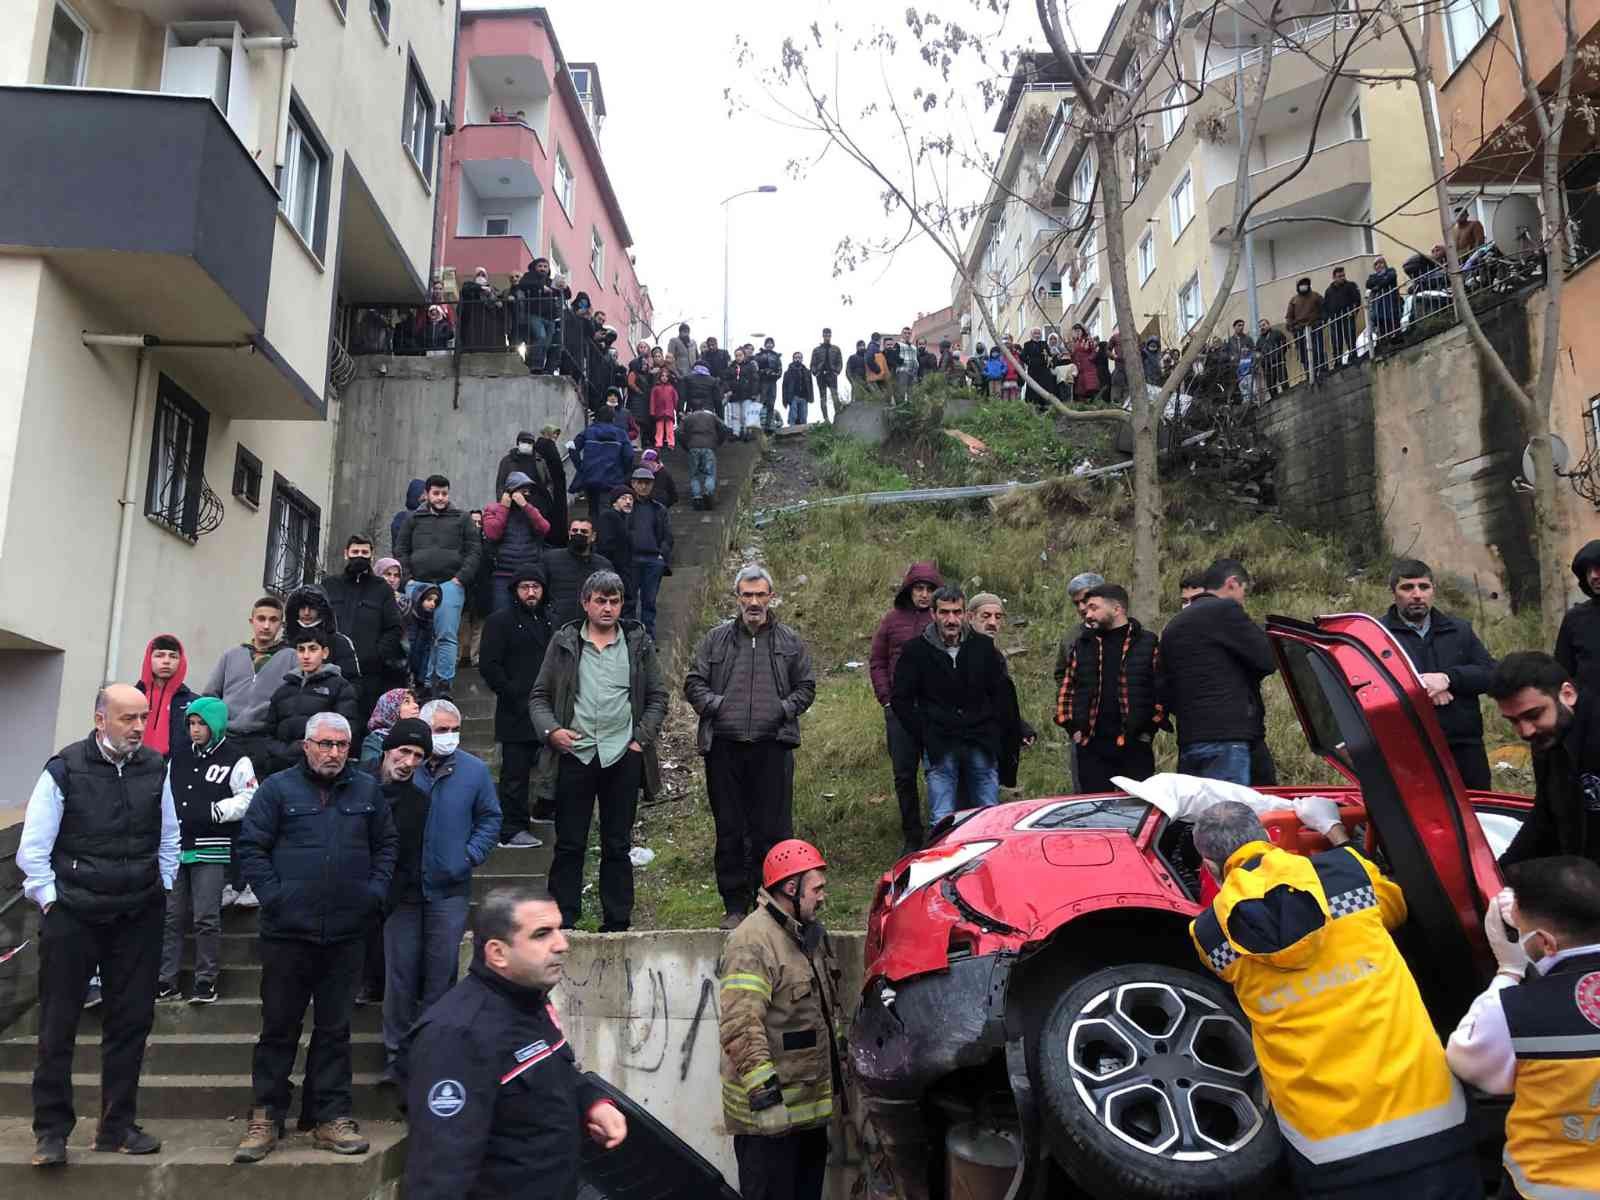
<point x="128" y="953"/>
<point x="1263" y="770"/>
<point x="1473" y="763"/>
<point x="374" y="972"/>
<point x="905" y="756"/>
<point x="579" y="786"/>
<point x="791" y="1167"/>
<point x="1100" y="758"/>
<point x="751" y="787"/>
<point x="295" y="975"/>
<point x="516" y="766"/>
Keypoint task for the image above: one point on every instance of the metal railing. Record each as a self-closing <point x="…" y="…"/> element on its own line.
<point x="504" y="324"/>
<point x="1308" y="32"/>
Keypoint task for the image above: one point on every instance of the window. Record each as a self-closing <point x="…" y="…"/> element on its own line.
<point x="1189" y="304"/>
<point x="1357" y="126"/>
<point x="1092" y="325"/>
<point x="380" y="14"/>
<point x="1173" y="110"/>
<point x="1147" y="256"/>
<point x="417" y="133"/>
<point x="1086" y="267"/>
<point x="1182" y="204"/>
<point x="1082" y="190"/>
<point x="1139" y="164"/>
<point x="246" y="476"/>
<point x="580" y="80"/>
<point x="496" y="226"/>
<point x="303" y="184"/>
<point x="564" y="183"/>
<point x="177" y="461"/>
<point x="597" y="256"/>
<point x="1465" y="23"/>
<point x="1368" y="245"/>
<point x="558" y="264"/>
<point x="1057" y="130"/>
<point x="294" y="533"/>
<point x="1164" y="20"/>
<point x="68" y="53"/>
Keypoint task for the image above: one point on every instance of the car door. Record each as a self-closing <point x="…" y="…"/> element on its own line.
<point x="1365" y="711"/>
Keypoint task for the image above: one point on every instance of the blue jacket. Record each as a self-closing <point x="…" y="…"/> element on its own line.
<point x="605" y="457"/>
<point x="319" y="854"/>
<point x="651" y="531"/>
<point x="463" y="823"/>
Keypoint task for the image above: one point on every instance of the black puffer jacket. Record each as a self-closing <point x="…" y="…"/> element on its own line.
<point x="701" y="391"/>
<point x="365" y="612"/>
<point x="1214" y="658"/>
<point x="567" y="572"/>
<point x="319" y="854"/>
<point x="1567" y="782"/>
<point x="514" y="642"/>
<point x="436" y="546"/>
<point x="746" y="380"/>
<point x="297" y="700"/>
<point x="944" y="705"/>
<point x="1138" y="693"/>
<point x="1453" y="648"/>
<point x="1578" y="643"/>
<point x="344" y="653"/>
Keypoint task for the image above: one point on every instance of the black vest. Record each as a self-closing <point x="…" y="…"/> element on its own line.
<point x="106" y="853"/>
<point x="199" y="780"/>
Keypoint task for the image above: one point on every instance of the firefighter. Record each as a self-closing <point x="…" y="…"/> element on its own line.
<point x="1537" y="1035"/>
<point x="781" y="1047"/>
<point x="1356" y="1075"/>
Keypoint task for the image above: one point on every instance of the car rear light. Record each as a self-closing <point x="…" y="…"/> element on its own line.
<point x="935" y="863"/>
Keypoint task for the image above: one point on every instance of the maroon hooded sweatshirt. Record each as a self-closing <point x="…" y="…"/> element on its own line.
<point x="899" y="625"/>
<point x="168" y="698"/>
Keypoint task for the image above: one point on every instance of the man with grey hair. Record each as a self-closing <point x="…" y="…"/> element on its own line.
<point x="98" y="854"/>
<point x="750" y="680"/>
<point x="1349" y="1056"/>
<point x="1078" y="592"/>
<point x="318" y="846"/>
<point x="598" y="704"/>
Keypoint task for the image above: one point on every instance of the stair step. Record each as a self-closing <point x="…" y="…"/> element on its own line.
<point x="189" y="1054"/>
<point x="230" y="1014"/>
<point x="482" y="885"/>
<point x="178" y="1097"/>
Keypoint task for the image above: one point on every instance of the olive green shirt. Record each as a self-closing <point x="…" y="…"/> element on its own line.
<point x="602" y="714"/>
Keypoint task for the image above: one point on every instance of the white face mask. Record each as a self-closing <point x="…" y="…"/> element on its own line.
<point x="524" y="447"/>
<point x="446" y="743"/>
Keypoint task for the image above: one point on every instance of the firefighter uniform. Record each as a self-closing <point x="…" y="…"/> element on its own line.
<point x="779" y="1001"/>
<point x="1356" y="1074"/>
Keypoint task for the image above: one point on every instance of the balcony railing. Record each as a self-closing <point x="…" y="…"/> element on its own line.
<point x="1221" y="62"/>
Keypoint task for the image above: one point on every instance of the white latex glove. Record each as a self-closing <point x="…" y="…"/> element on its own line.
<point x="1510" y="956"/>
<point x="1316" y="813"/>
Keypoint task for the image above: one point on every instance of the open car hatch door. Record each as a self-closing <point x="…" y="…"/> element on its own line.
<point x="1364" y="710"/>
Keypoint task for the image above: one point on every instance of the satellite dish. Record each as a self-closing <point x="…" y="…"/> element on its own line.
<point x="1515" y="224"/>
<point x="1559" y="455"/>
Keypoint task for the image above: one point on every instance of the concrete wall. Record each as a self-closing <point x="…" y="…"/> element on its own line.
<point x="641" y="1009"/>
<point x="406" y="418"/>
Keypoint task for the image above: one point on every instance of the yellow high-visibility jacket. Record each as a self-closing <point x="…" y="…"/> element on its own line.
<point x="1348" y="1054"/>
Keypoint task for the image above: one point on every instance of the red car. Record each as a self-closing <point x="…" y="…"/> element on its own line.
<point x="1031" y="969"/>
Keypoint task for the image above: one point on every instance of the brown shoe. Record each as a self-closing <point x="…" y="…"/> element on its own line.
<point x="260" y="1137"/>
<point x="341" y="1135"/>
<point x="731" y="920"/>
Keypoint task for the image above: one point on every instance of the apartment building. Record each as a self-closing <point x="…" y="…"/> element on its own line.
<point x="207" y="182"/>
<point x="1011" y="250"/>
<point x="1474" y="50"/>
<point x="1179" y="171"/>
<point x="524" y="175"/>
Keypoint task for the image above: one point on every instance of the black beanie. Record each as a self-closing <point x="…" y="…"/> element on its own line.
<point x="409" y="731"/>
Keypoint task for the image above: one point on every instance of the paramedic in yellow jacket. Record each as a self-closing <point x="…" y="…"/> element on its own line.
<point x="781" y="1049"/>
<point x="1536" y="1033"/>
<point x="1365" y="1101"/>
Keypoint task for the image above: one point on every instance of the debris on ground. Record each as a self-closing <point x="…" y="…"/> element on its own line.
<point x="975" y="447"/>
<point x="641" y="856"/>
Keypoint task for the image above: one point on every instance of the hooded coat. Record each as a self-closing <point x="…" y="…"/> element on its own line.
<point x="604" y="457"/>
<point x="344" y="655"/>
<point x="549" y="476"/>
<point x="899" y="625"/>
<point x="514" y="642"/>
<point x="1578" y="643"/>
<point x="515" y="532"/>
<point x="168" y="700"/>
<point x="414" y="491"/>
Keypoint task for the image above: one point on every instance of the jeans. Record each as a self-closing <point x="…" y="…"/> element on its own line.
<point x="296" y="975"/>
<point x="446" y="627"/>
<point x="128" y="951"/>
<point x="579" y="787"/>
<point x="647" y="573"/>
<point x="703" y="471"/>
<point x="198" y="887"/>
<point x="751" y="789"/>
<point x="421" y="944"/>
<point x="1228" y="761"/>
<point x="904" y="758"/>
<point x="538" y="343"/>
<point x="797" y="410"/>
<point x="420" y="657"/>
<point x="961" y="770"/>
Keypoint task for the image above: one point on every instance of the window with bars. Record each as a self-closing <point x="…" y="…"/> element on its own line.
<point x="176" y="479"/>
<point x="294" y="533"/>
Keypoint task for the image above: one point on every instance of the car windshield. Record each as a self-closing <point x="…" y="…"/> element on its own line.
<point x="1126" y="813"/>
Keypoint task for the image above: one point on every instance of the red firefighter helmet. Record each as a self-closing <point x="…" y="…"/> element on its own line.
<point x="789" y="858"/>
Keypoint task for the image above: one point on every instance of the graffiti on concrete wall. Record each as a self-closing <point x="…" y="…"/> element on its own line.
<point x="647" y="1026"/>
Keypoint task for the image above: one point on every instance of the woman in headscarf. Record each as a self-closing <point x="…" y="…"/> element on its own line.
<point x="394" y="705"/>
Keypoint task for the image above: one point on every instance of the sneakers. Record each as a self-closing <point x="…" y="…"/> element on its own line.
<point x="168" y="991"/>
<point x="204" y="993"/>
<point x="247" y="898"/>
<point x="229" y="896"/>
<point x="340" y="1135"/>
<point x="367" y="994"/>
<point x="731" y="920"/>
<point x="260" y="1137"/>
<point x="91" y="998"/>
<point x="131" y="1140"/>
<point x="522" y="841"/>
<point x="50" y="1151"/>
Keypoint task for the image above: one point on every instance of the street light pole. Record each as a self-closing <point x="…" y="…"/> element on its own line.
<point x="726" y="228"/>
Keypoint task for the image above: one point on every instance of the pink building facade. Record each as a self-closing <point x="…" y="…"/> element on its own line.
<point x="534" y="183"/>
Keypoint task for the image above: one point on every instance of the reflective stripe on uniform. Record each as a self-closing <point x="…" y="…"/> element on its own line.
<point x="755" y="1077"/>
<point x="747" y="983"/>
<point x="1379" y="1137"/>
<point x="1579" y="1044"/>
<point x="1541" y="1191"/>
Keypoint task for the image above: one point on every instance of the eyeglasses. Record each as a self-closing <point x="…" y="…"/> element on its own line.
<point x="328" y="746"/>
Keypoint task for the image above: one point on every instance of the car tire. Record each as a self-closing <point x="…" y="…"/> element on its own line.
<point x="1150" y="1089"/>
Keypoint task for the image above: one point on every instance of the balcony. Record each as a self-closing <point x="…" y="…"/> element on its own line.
<point x="149" y="204"/>
<point x="499" y="206"/>
<point x="1330" y="185"/>
<point x="264" y="18"/>
<point x="512" y="83"/>
<point x="511" y="140"/>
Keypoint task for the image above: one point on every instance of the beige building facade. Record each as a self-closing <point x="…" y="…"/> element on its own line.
<point x="207" y="182"/>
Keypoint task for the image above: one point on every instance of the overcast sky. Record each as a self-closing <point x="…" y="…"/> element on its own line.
<point x="673" y="153"/>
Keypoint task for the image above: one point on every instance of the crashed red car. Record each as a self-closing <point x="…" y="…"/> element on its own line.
<point x="1031" y="969"/>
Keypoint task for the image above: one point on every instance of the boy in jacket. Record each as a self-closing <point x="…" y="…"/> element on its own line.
<point x="161" y="680"/>
<point x="210" y="782"/>
<point x="514" y="642"/>
<point x="652" y="544"/>
<point x="315" y="686"/>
